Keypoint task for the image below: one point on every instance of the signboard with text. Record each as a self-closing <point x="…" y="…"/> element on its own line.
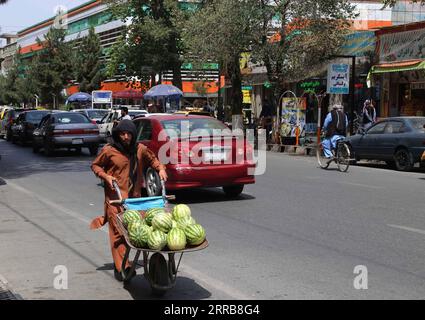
<point x="339" y="79"/>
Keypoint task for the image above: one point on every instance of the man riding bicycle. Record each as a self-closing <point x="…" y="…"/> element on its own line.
<point x="336" y="123"/>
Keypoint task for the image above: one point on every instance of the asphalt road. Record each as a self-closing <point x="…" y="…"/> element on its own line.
<point x="299" y="233"/>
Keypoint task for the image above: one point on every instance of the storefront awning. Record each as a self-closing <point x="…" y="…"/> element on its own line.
<point x="398" y="66"/>
<point x="411" y="65"/>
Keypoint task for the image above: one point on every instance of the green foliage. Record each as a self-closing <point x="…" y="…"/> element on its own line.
<point x="306" y="34"/>
<point x="14" y="87"/>
<point x="88" y="68"/>
<point x="151" y="42"/>
<point x="51" y="70"/>
<point x="392" y="3"/>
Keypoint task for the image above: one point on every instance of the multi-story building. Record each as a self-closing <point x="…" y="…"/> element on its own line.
<point x="7" y="52"/>
<point x="95" y="13"/>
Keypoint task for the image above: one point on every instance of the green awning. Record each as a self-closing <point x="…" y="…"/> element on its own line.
<point x="395" y="67"/>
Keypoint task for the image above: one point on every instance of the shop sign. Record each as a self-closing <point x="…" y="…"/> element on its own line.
<point x="246" y="96"/>
<point x="417" y="86"/>
<point x="293" y="113"/>
<point x="338" y="79"/>
<point x="310" y="85"/>
<point x="359" y="44"/>
<point x="400" y="46"/>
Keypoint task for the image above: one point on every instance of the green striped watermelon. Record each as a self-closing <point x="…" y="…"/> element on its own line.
<point x="195" y="234"/>
<point x="131" y="216"/>
<point x="136" y="232"/>
<point x="162" y="222"/>
<point x="176" y="239"/>
<point x="181" y="211"/>
<point x="151" y="213"/>
<point x="157" y="240"/>
<point x="184" y="222"/>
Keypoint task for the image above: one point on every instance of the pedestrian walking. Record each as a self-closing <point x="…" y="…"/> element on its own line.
<point x="368" y="115"/>
<point x="122" y="161"/>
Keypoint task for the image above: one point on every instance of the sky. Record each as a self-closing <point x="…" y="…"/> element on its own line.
<point x="17" y="15"/>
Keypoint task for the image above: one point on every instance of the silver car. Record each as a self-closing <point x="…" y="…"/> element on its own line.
<point x="93" y="114"/>
<point x="66" y="130"/>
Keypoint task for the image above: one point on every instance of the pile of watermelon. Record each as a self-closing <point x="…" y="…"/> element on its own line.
<point x="159" y="229"/>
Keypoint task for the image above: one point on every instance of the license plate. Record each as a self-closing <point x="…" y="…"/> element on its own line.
<point x="77" y="141"/>
<point x="216" y="156"/>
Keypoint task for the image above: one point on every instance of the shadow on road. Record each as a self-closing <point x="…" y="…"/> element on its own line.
<point x="185" y="289"/>
<point x="205" y="195"/>
<point x="384" y="166"/>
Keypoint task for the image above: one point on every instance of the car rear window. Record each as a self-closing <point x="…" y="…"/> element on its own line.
<point x="96" y="113"/>
<point x="203" y="126"/>
<point x="418" y="124"/>
<point x="67" y="118"/>
<point x="35" y="116"/>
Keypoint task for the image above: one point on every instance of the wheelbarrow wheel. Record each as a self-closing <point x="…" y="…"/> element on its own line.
<point x="158" y="274"/>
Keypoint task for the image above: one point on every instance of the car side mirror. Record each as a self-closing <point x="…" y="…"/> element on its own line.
<point x="98" y="121"/>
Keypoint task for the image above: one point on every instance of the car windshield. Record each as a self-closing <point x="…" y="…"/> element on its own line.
<point x="96" y="113"/>
<point x="418" y="123"/>
<point x="36" y="116"/>
<point x="67" y="118"/>
<point x="203" y="127"/>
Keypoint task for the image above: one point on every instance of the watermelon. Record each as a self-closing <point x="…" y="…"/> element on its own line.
<point x="176" y="239"/>
<point x="184" y="222"/>
<point x="136" y="232"/>
<point x="181" y="211"/>
<point x="151" y="213"/>
<point x="157" y="240"/>
<point x="162" y="222"/>
<point x="195" y="234"/>
<point x="131" y="216"/>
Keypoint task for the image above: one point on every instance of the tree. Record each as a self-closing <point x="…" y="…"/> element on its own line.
<point x="88" y="68"/>
<point x="151" y="42"/>
<point x="392" y="3"/>
<point x="51" y="69"/>
<point x="304" y="35"/>
<point x="221" y="31"/>
<point x="14" y="88"/>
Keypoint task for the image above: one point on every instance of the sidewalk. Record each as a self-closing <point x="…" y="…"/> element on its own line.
<point x="294" y="150"/>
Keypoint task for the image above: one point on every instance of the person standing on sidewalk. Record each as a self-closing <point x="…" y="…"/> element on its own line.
<point x="368" y="114"/>
<point x="122" y="161"/>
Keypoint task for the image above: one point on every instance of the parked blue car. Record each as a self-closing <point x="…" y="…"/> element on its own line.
<point x="399" y="141"/>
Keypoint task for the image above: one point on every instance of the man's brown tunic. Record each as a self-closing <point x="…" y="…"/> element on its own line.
<point x="111" y="162"/>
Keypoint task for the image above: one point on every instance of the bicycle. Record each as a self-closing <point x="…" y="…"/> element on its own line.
<point x="341" y="156"/>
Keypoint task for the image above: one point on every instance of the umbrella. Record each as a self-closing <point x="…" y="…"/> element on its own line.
<point x="79" y="97"/>
<point x="163" y="91"/>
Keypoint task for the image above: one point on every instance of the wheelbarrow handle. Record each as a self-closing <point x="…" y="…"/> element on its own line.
<point x="117" y="189"/>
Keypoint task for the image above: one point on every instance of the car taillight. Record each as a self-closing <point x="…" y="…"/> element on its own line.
<point x="93" y="131"/>
<point x="93" y="121"/>
<point x="60" y="132"/>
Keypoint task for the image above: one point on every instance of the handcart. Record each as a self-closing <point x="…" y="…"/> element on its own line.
<point x="160" y="267"/>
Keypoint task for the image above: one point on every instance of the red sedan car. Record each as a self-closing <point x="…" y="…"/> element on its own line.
<point x="198" y="151"/>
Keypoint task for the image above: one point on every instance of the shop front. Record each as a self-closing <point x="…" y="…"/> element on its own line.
<point x="400" y="73"/>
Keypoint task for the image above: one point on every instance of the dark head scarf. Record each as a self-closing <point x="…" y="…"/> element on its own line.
<point x="130" y="151"/>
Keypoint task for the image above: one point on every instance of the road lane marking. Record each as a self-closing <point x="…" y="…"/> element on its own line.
<point x="210" y="282"/>
<point x="407" y="228"/>
<point x="360" y="185"/>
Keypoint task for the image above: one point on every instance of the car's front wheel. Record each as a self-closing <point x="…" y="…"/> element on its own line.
<point x="233" y="191"/>
<point x="403" y="160"/>
<point x="153" y="183"/>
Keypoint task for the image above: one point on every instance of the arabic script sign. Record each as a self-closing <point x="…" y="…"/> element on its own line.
<point x="402" y="46"/>
<point x="339" y="79"/>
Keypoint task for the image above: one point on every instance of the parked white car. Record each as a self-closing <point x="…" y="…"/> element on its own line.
<point x="107" y="123"/>
<point x="95" y="115"/>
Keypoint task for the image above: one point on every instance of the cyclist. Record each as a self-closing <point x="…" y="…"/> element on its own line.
<point x="336" y="123"/>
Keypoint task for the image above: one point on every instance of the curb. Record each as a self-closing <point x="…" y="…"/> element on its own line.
<point x="292" y="150"/>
